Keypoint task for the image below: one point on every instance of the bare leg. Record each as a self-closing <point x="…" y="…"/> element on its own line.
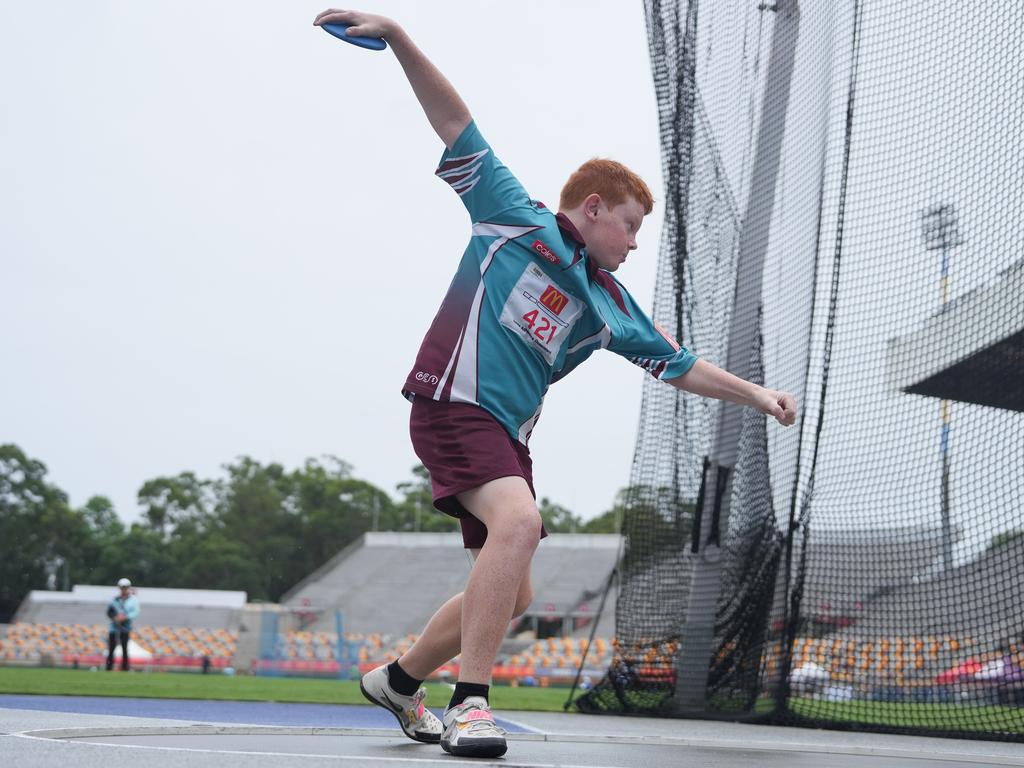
<point x="441" y="641"/>
<point x="507" y="508"/>
<point x="438" y="643"/>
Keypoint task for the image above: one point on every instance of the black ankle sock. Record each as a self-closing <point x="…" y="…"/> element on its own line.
<point x="464" y="690"/>
<point x="400" y="681"/>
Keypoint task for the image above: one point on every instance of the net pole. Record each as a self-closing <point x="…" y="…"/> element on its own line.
<point x="694" y="659"/>
<point x="341" y="651"/>
<point x="593" y="631"/>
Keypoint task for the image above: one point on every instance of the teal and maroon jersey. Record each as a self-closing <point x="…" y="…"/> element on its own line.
<point x="526" y="305"/>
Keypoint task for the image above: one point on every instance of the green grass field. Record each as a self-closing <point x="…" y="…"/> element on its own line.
<point x="170" y="685"/>
<point x="950" y="717"/>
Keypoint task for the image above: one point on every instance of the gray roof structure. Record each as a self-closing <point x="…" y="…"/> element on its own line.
<point x="161" y="607"/>
<point x="391" y="583"/>
<point x="972" y="351"/>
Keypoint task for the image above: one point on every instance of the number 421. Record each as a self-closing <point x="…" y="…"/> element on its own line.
<point x="539" y="329"/>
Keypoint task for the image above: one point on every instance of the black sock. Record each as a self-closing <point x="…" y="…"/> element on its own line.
<point x="464" y="690"/>
<point x="400" y="681"/>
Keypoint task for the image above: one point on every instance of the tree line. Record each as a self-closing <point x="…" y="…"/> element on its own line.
<point x="258" y="528"/>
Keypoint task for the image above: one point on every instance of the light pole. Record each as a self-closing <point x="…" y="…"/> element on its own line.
<point x="940" y="232"/>
<point x="52" y="566"/>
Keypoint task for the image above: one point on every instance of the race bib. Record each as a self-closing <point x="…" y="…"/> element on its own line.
<point x="541" y="313"/>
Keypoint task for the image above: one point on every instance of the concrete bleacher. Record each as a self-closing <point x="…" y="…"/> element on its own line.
<point x="177" y="627"/>
<point x="87" y="643"/>
<point x="391" y="583"/>
<point x="978" y="597"/>
<point x="848" y="566"/>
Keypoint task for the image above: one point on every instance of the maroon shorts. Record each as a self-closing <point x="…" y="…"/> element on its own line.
<point x="463" y="447"/>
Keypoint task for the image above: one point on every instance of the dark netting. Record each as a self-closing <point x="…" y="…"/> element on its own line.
<point x="843" y="184"/>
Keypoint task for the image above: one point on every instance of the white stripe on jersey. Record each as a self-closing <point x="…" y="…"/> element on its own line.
<point x="464" y="383"/>
<point x="507" y="231"/>
<point x="450" y="169"/>
<point x="604" y="336"/>
<point x="462" y="187"/>
<point x="454" y="169"/>
<point x="656" y="368"/>
<point x="527" y="426"/>
<point x="448" y="369"/>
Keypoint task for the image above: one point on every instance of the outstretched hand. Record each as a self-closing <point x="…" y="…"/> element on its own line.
<point x="362" y="24"/>
<point x="780" y="405"/>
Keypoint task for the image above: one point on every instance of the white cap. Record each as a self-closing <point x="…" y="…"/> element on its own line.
<point x="124" y="583"/>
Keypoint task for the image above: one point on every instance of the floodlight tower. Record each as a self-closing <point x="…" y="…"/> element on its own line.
<point x="939" y="228"/>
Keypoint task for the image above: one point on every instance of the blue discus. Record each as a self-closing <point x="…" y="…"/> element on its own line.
<point x="338" y="30"/>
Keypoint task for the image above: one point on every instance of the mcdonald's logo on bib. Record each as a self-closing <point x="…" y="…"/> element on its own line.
<point x="554" y="299"/>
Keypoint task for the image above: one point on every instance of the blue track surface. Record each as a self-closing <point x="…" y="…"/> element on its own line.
<point x="248" y="712"/>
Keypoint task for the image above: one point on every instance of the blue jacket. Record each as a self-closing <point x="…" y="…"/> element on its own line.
<point x="128" y="606"/>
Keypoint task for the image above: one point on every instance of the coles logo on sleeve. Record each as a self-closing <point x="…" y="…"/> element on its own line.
<point x="544" y="251"/>
<point x="554" y="299"/>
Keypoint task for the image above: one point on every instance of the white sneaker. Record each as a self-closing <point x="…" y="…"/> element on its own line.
<point x="470" y="730"/>
<point x="418" y="722"/>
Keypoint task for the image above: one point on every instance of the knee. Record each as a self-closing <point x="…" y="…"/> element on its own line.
<point x="521" y="527"/>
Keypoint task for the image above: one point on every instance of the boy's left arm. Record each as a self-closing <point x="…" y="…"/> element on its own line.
<point x="709" y="380"/>
<point x="643" y="341"/>
<point x="131" y="609"/>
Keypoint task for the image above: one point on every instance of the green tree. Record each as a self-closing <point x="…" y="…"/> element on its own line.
<point x="558" y="519"/>
<point x="140" y="554"/>
<point x="654" y="520"/>
<point x="255" y="510"/>
<point x="415" y="511"/>
<point x="167" y="501"/>
<point x="335" y="509"/>
<point x="101" y="517"/>
<point x="213" y="561"/>
<point x="606" y="522"/>
<point x="36" y="524"/>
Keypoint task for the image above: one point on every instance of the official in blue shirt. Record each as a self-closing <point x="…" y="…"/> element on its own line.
<point x="121" y="611"/>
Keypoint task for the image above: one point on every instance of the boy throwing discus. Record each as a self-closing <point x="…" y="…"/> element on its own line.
<point x="533" y="297"/>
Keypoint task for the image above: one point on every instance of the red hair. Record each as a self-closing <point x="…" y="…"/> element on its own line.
<point x="613" y="181"/>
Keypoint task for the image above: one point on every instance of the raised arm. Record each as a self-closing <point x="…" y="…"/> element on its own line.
<point x="445" y="109"/>
<point x="710" y="381"/>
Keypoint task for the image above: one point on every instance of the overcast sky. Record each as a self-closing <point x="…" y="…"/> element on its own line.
<point x="222" y="236"/>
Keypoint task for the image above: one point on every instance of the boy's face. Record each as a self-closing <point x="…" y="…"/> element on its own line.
<point x="611" y="232"/>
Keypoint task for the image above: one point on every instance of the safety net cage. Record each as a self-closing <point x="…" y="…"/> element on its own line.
<point x="842" y="221"/>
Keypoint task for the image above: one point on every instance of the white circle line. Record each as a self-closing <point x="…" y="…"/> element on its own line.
<point x="362" y="758"/>
<point x="909" y="753"/>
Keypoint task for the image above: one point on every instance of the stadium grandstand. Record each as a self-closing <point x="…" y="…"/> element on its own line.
<point x="898" y="641"/>
<point x="550" y="641"/>
<point x="569" y="575"/>
<point x="178" y="627"/>
<point x="342" y="599"/>
<point x="883" y="625"/>
<point x="873" y="562"/>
